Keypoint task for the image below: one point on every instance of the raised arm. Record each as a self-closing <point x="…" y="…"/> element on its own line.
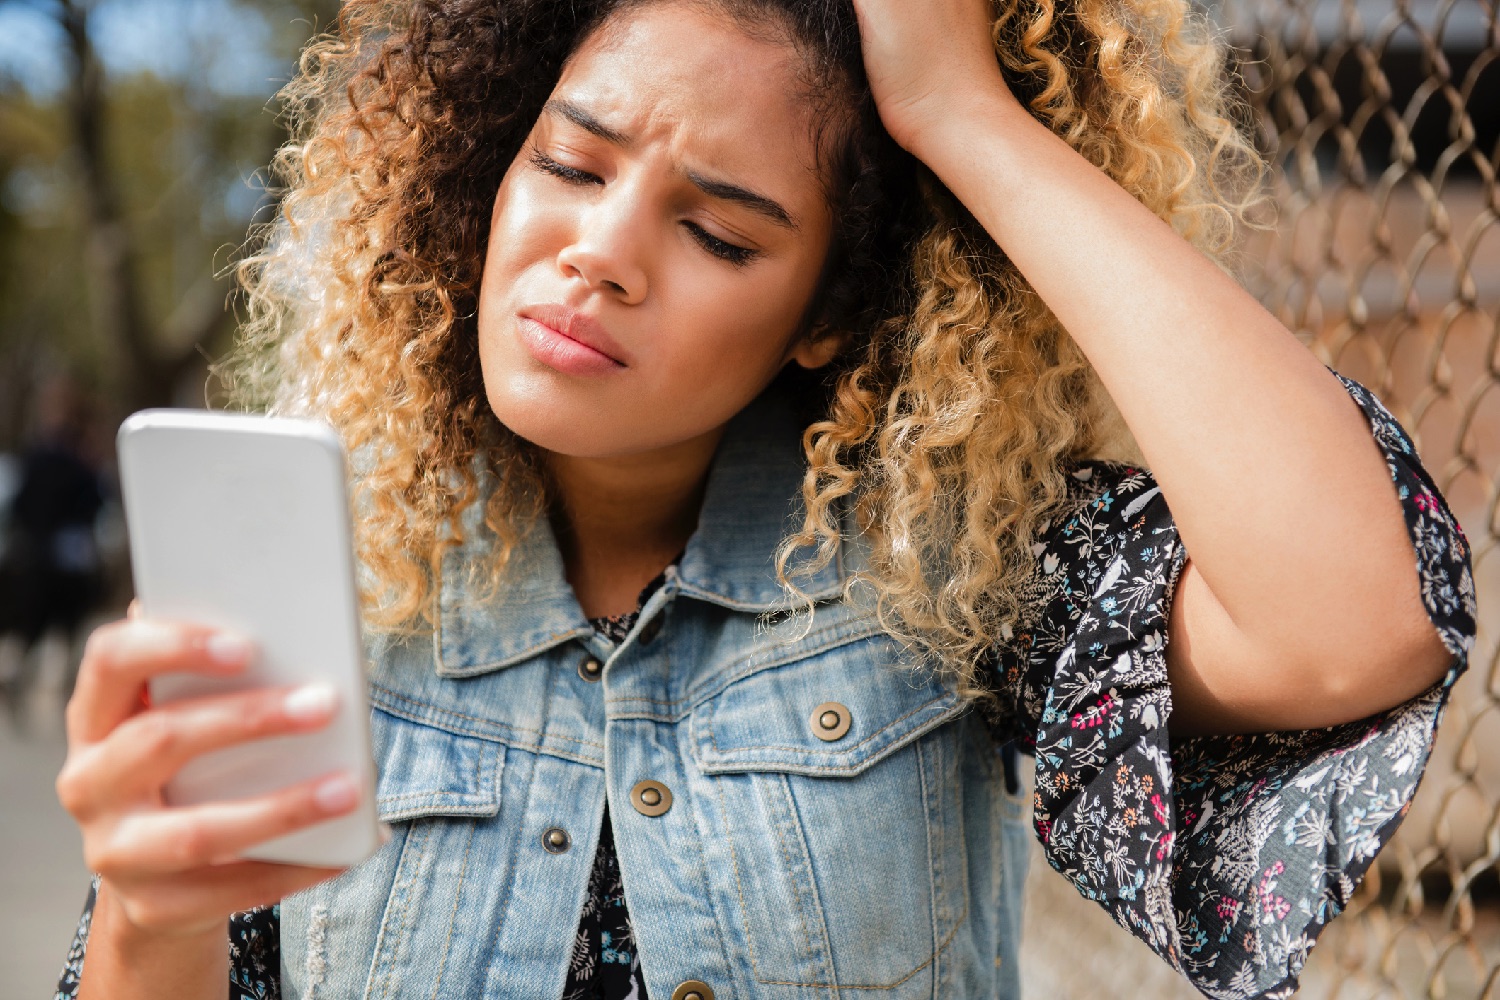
<point x="1299" y="606"/>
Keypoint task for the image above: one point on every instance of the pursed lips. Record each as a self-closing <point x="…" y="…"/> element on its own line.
<point x="577" y="327"/>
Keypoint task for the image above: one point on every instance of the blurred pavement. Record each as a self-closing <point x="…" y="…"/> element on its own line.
<point x="43" y="880"/>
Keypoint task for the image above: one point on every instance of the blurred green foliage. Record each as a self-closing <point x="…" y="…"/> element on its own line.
<point x="114" y="255"/>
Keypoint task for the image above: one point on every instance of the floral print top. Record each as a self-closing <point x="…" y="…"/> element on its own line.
<point x="605" y="964"/>
<point x="1226" y="855"/>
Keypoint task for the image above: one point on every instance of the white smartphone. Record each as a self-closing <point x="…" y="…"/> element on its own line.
<point x="242" y="522"/>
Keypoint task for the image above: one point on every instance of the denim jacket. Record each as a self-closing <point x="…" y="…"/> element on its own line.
<point x="800" y="813"/>
<point x="822" y="819"/>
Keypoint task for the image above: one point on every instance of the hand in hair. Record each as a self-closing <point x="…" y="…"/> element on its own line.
<point x="926" y="61"/>
<point x="1279" y="621"/>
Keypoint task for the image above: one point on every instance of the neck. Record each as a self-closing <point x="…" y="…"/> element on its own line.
<point x="620" y="520"/>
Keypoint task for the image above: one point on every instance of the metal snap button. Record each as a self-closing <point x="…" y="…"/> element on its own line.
<point x="830" y="721"/>
<point x="556" y="840"/>
<point x="651" y="798"/>
<point x="693" y="989"/>
<point x="590" y="669"/>
<point x="649" y="630"/>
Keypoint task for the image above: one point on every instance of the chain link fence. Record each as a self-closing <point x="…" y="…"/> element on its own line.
<point x="1381" y="119"/>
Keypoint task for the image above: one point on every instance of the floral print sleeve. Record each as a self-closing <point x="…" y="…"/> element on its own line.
<point x="1227" y="855"/>
<point x="254" y="952"/>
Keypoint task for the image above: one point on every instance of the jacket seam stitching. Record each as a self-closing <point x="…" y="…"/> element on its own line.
<point x="817" y="897"/>
<point x="802" y="749"/>
<point x="462" y="731"/>
<point x="739" y="885"/>
<point x="507" y="889"/>
<point x="887" y="986"/>
<point x="458" y="890"/>
<point x="786" y="859"/>
<point x="483" y="788"/>
<point x="932" y="855"/>
<point x="747" y="666"/>
<point x="414" y="848"/>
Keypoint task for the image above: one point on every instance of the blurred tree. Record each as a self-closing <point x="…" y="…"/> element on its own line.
<point x="11" y="395"/>
<point x="125" y="188"/>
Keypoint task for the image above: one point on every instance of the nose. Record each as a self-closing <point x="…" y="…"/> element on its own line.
<point x="606" y="252"/>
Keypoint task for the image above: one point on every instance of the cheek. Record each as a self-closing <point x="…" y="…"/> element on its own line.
<point x="747" y="316"/>
<point x="743" y="330"/>
<point x="521" y="231"/>
<point x="719" y="347"/>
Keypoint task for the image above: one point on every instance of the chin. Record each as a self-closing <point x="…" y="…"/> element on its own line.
<point x="548" y="430"/>
<point x="564" y="427"/>
<point x="596" y="421"/>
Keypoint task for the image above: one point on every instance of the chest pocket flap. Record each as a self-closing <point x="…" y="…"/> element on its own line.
<point x="429" y="771"/>
<point x="834" y="712"/>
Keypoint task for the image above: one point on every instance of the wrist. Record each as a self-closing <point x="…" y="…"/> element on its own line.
<point x="942" y="126"/>
<point x="113" y="916"/>
<point x="124" y="961"/>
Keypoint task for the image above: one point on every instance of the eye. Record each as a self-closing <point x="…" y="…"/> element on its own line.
<point x="548" y="165"/>
<point x="724" y="250"/>
<point x="732" y="252"/>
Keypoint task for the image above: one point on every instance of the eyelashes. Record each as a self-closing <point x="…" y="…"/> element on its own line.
<point x="732" y="253"/>
<point x="548" y="165"/>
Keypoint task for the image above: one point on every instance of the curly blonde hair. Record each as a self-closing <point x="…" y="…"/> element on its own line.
<point x="948" y="424"/>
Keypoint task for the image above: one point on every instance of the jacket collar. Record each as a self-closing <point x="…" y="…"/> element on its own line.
<point x="751" y="502"/>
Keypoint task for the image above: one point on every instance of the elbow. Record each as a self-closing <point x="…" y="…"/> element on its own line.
<point x="1384" y="646"/>
<point x="1384" y="668"/>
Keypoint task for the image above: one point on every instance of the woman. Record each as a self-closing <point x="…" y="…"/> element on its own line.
<point x="726" y="503"/>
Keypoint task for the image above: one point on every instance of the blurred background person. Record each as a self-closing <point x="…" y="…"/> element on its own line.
<point x="51" y="570"/>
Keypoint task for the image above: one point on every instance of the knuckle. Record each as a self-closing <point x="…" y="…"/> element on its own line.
<point x="300" y="810"/>
<point x="122" y="649"/>
<point x="263" y="714"/>
<point x="103" y="858"/>
<point x="71" y="791"/>
<point x="98" y="649"/>
<point x="192" y="847"/>
<point x="147" y="913"/>
<point x="157" y="734"/>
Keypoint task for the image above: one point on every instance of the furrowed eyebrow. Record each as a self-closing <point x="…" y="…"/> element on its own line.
<point x="755" y="202"/>
<point x="723" y="190"/>
<point x="578" y="116"/>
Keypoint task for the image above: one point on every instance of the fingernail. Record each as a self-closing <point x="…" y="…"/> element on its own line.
<point x="227" y="650"/>
<point x="336" y="794"/>
<point x="310" y="702"/>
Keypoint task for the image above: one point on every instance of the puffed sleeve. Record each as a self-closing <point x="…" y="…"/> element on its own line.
<point x="1227" y="855"/>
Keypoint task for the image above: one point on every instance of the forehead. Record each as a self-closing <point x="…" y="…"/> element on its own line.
<point x="680" y="76"/>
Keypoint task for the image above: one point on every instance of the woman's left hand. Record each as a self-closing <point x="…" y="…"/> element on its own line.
<point x="925" y="59"/>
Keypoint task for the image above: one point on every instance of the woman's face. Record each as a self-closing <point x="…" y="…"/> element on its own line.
<point x="658" y="240"/>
